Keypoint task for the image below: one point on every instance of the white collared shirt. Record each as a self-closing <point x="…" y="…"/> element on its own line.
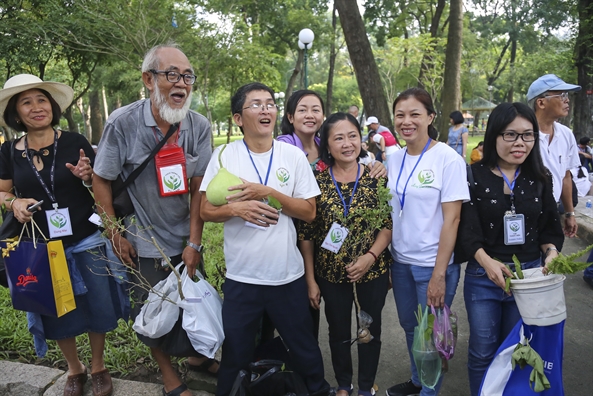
<point x="560" y="155"/>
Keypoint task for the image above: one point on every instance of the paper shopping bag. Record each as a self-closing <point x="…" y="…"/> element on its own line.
<point x="60" y="276"/>
<point x="30" y="277"/>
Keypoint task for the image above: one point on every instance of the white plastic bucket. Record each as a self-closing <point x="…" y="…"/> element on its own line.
<point x="539" y="297"/>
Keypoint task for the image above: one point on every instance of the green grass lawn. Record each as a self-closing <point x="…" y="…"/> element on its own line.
<point x="218" y="140"/>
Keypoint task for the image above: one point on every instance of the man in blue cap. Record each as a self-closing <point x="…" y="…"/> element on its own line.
<point x="548" y="97"/>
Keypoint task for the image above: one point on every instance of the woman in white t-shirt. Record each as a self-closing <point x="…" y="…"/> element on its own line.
<point x="428" y="182"/>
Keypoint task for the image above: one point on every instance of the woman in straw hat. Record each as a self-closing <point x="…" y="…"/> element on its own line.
<point x="53" y="168"/>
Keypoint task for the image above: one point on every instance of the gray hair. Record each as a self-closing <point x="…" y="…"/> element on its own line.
<point x="532" y="103"/>
<point x="151" y="60"/>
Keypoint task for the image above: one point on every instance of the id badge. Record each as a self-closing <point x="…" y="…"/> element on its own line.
<point x="170" y="170"/>
<point x="335" y="238"/>
<point x="514" y="229"/>
<point x="58" y="223"/>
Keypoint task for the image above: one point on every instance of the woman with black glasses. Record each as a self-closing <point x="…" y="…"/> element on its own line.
<point x="511" y="212"/>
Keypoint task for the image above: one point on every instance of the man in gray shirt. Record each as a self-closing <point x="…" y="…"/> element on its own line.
<point x="170" y="216"/>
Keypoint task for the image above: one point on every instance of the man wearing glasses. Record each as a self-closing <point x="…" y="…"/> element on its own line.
<point x="548" y="97"/>
<point x="167" y="212"/>
<point x="265" y="270"/>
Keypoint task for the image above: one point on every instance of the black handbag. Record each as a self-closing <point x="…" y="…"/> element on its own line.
<point x="121" y="201"/>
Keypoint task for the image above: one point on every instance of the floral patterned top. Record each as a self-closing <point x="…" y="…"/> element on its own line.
<point x="332" y="266"/>
<point x="481" y="223"/>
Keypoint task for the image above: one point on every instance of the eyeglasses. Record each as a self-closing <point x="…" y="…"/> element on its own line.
<point x="563" y="96"/>
<point x="256" y="107"/>
<point x="513" y="136"/>
<point x="173" y="76"/>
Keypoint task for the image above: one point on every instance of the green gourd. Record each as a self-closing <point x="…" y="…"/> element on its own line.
<point x="218" y="189"/>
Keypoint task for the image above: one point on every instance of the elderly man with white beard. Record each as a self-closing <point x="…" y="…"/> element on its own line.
<point x="161" y="210"/>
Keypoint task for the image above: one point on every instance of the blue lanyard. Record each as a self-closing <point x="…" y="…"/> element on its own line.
<point x="52" y="170"/>
<point x="402" y="198"/>
<point x="510" y="185"/>
<point x="269" y="165"/>
<point x="346" y="207"/>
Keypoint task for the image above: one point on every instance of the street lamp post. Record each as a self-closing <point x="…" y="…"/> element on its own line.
<point x="279" y="96"/>
<point x="306" y="37"/>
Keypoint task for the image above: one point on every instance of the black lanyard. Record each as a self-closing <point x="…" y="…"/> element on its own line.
<point x="51" y="171"/>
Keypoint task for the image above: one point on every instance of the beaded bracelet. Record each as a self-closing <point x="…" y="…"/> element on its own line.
<point x="372" y="254"/>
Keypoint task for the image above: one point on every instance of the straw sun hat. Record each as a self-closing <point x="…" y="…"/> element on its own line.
<point x="61" y="93"/>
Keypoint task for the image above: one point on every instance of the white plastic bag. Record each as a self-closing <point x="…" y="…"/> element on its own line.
<point x="161" y="310"/>
<point x="202" y="315"/>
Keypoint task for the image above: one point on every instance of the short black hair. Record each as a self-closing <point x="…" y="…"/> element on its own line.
<point x="290" y="107"/>
<point x="457" y="117"/>
<point x="10" y="113"/>
<point x="584" y="140"/>
<point x="238" y="99"/>
<point x="324" y="136"/>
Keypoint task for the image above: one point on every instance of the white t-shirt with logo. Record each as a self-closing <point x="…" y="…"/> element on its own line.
<point x="269" y="257"/>
<point x="439" y="177"/>
<point x="560" y="155"/>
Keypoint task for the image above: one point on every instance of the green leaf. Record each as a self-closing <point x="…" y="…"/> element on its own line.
<point x="273" y="202"/>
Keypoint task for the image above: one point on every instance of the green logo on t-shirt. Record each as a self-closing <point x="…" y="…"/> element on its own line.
<point x="426" y="177"/>
<point x="283" y="175"/>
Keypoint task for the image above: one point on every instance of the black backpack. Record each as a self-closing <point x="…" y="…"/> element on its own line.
<point x="269" y="378"/>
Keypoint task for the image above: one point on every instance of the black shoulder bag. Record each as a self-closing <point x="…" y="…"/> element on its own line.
<point x="122" y="203"/>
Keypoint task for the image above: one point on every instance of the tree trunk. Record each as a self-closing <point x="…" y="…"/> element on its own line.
<point x="451" y="96"/>
<point x="295" y="73"/>
<point x="363" y="61"/>
<point x="583" y="100"/>
<point x="332" y="66"/>
<point x="96" y="130"/>
<point x="511" y="92"/>
<point x="427" y="63"/>
<point x="72" y="125"/>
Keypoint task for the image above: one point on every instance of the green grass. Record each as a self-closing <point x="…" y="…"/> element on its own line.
<point x="218" y="140"/>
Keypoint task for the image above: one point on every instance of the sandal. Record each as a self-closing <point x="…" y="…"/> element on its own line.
<point x="175" y="392"/>
<point x="204" y="367"/>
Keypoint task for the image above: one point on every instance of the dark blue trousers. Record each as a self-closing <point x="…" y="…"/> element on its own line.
<point x="288" y="308"/>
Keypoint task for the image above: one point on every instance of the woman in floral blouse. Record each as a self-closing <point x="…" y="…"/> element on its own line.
<point x="340" y="247"/>
<point x="512" y="195"/>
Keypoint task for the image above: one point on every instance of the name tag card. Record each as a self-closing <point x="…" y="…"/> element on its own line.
<point x="58" y="223"/>
<point x="514" y="229"/>
<point x="335" y="238"/>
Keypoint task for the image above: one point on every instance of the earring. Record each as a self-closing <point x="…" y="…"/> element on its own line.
<point x="18" y="121"/>
<point x="329" y="154"/>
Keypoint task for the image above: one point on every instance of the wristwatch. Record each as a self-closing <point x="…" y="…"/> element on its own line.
<point x="569" y="214"/>
<point x="198" y="248"/>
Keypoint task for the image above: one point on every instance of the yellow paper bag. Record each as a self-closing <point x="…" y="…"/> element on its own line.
<point x="60" y="276"/>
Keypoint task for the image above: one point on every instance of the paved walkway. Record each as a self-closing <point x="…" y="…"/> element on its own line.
<point x="17" y="379"/>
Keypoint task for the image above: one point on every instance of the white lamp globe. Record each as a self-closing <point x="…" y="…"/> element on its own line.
<point x="306" y="36"/>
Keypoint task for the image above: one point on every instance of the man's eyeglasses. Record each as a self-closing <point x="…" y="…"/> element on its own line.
<point x="256" y="107"/>
<point x="563" y="96"/>
<point x="513" y="136"/>
<point x="173" y="76"/>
